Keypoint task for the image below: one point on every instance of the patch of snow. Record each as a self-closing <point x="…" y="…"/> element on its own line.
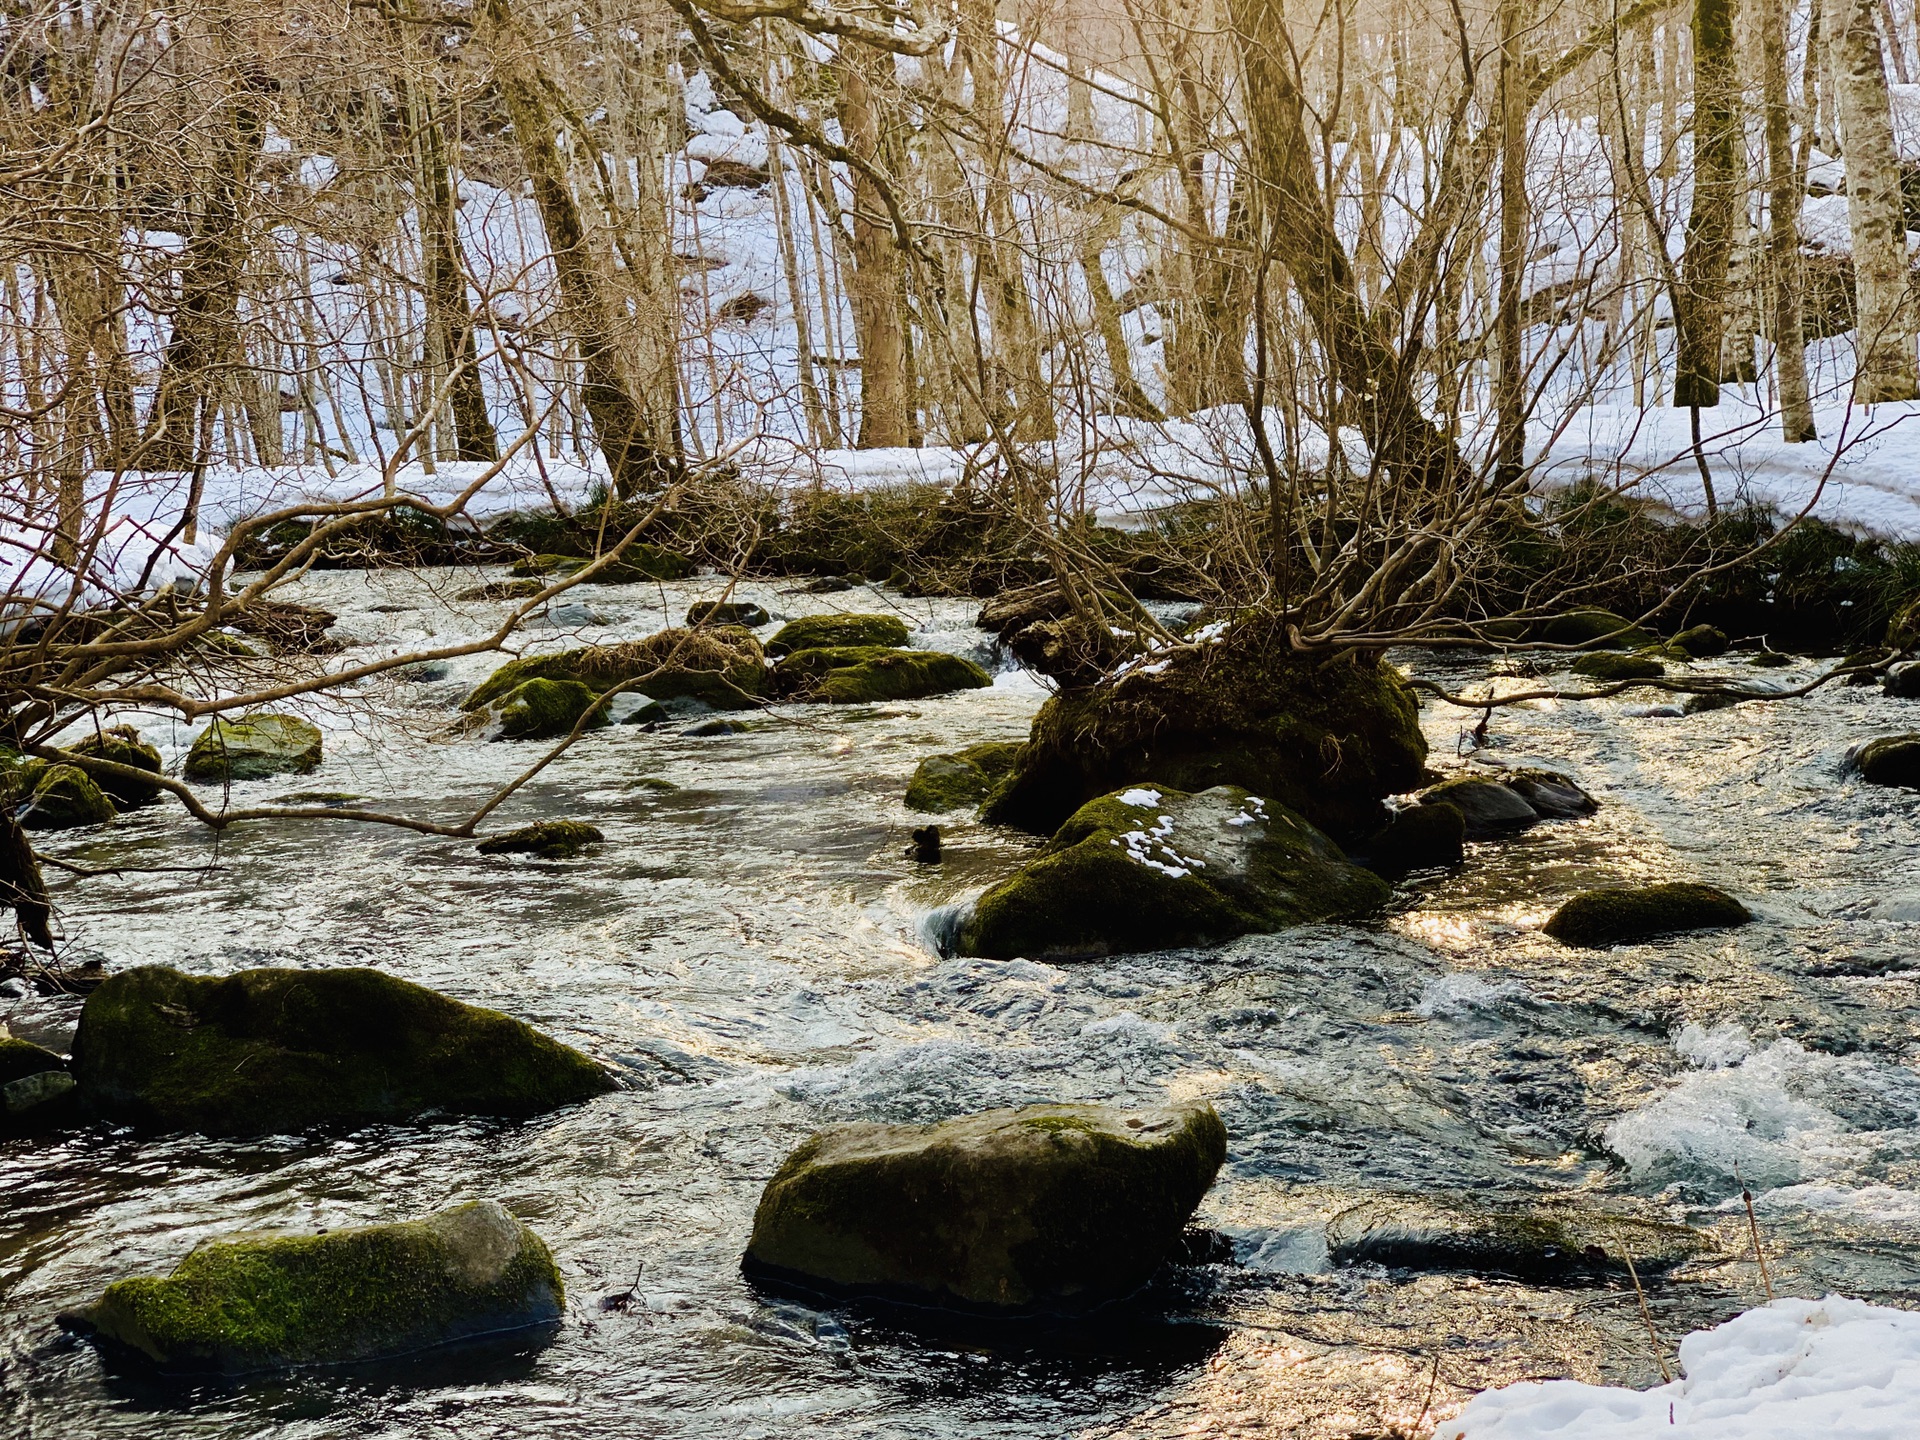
<point x="1144" y="799"/>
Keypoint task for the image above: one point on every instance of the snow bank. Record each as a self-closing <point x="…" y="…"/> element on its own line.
<point x="1836" y="1368"/>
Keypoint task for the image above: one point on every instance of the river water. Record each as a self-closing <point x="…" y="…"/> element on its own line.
<point x="750" y="948"/>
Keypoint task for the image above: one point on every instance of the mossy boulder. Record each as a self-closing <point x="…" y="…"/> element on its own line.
<point x="1047" y="1207"/>
<point x="21" y="1058"/>
<point x="1902" y="682"/>
<point x="1701" y="642"/>
<point x="546" y="709"/>
<point x="1326" y="738"/>
<point x="496" y="590"/>
<point x="244" y="1303"/>
<point x="638" y="561"/>
<point x="818" y="632"/>
<point x="1419" y="837"/>
<point x="955" y="782"/>
<point x="1541" y="1245"/>
<point x="1889" y="760"/>
<point x="59" y="797"/>
<point x="869" y="674"/>
<point x="253" y="748"/>
<point x="122" y="745"/>
<point x="548" y="839"/>
<point x="1593" y="630"/>
<point x="1152" y="868"/>
<point x="728" y="612"/>
<point x="1596" y="919"/>
<point x="1609" y="667"/>
<point x="721" y="666"/>
<point x="272" y="1051"/>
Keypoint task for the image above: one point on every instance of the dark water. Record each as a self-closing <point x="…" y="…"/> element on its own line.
<point x="750" y="948"/>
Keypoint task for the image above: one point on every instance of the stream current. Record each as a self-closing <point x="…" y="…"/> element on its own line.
<point x="750" y="949"/>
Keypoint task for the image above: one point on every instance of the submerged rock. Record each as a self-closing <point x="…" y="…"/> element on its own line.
<point x="1599" y="918"/>
<point x="722" y="667"/>
<point x="1328" y="738"/>
<point x="1889" y="760"/>
<point x="36" y="1097"/>
<point x="868" y="674"/>
<point x="727" y="612"/>
<point x="1040" y="1208"/>
<point x="270" y="1051"/>
<point x="1507" y="801"/>
<point x="59" y="797"/>
<point x="1609" y="667"/>
<point x="953" y="782"/>
<point x="122" y="745"/>
<point x="1152" y="867"/>
<point x="243" y="1303"/>
<point x="1535" y="1245"/>
<point x="817" y="632"/>
<point x="547" y="709"/>
<point x="549" y="839"/>
<point x="253" y="748"/>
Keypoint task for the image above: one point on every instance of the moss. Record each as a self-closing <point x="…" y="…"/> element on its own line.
<point x="501" y="590"/>
<point x="254" y="1302"/>
<point x="727" y="612"/>
<point x="1120" y="877"/>
<point x="1701" y="642"/>
<point x="1599" y="918"/>
<point x="1609" y="667"/>
<point x="60" y="797"/>
<point x="1890" y="760"/>
<point x="817" y="632"/>
<point x="723" y="667"/>
<point x="1593" y="630"/>
<point x="281" y="1050"/>
<point x="639" y="561"/>
<point x="547" y="709"/>
<point x="867" y="674"/>
<point x="20" y="1058"/>
<point x="122" y="745"/>
<point x="954" y="782"/>
<point x="254" y="747"/>
<point x="1327" y="738"/>
<point x="1054" y="1207"/>
<point x="549" y="839"/>
<point x="1769" y="659"/>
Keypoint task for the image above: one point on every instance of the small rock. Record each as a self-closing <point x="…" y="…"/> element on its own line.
<point x="1609" y="667"/>
<point x="630" y="707"/>
<point x="1903" y="682"/>
<point x="953" y="782"/>
<point x="1553" y="796"/>
<point x="728" y="612"/>
<point x="547" y="709"/>
<point x="30" y="1092"/>
<point x="828" y="585"/>
<point x="1536" y="1245"/>
<point x="60" y="797"/>
<point x="1597" y="919"/>
<point x="1489" y="807"/>
<point x="1428" y="836"/>
<point x="1889" y="760"/>
<point x="254" y="747"/>
<point x="549" y="839"/>
<point x="1769" y="659"/>
<point x="425" y="672"/>
<point x="870" y="674"/>
<point x="501" y="590"/>
<point x="717" y="726"/>
<point x="1702" y="642"/>
<point x="573" y="615"/>
<point x="926" y="845"/>
<point x="122" y="745"/>
<point x="1593" y="630"/>
<point x="22" y="1058"/>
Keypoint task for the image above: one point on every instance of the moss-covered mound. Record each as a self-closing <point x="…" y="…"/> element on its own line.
<point x="1593" y="630"/>
<point x="546" y="709"/>
<point x="258" y="1302"/>
<point x="1539" y="1245"/>
<point x="1599" y="918"/>
<point x="253" y="748"/>
<point x="269" y="1051"/>
<point x="727" y="612"/>
<point x="122" y="745"/>
<point x="955" y="782"/>
<point x="1046" y="1207"/>
<point x="868" y="674"/>
<point x="1152" y="868"/>
<point x="1890" y="760"/>
<point x="495" y="590"/>
<point x="21" y="1058"/>
<point x="1327" y="738"/>
<point x="59" y="797"/>
<point x="1608" y="666"/>
<point x="1701" y="642"/>
<point x="817" y="632"/>
<point x="639" y="561"/>
<point x="722" y="666"/>
<point x="549" y="839"/>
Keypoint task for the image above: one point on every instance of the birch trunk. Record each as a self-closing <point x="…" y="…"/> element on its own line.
<point x="1784" y="191"/>
<point x="1510" y="440"/>
<point x="878" y="271"/>
<point x="1718" y="150"/>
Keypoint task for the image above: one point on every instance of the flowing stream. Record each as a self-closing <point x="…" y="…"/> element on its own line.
<point x="750" y="948"/>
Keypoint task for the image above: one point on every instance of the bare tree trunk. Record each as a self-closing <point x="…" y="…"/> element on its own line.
<point x="1884" y="366"/>
<point x="445" y="285"/>
<point x="1717" y="172"/>
<point x="1128" y="397"/>
<point x="1785" y="187"/>
<point x="1510" y="442"/>
<point x="878" y="269"/>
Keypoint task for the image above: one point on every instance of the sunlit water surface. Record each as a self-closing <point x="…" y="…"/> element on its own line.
<point x="750" y="949"/>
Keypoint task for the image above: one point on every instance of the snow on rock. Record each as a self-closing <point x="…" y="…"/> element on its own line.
<point x="1836" y="1368"/>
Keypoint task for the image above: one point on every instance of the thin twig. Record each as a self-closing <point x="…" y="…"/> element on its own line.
<point x="1646" y="1315"/>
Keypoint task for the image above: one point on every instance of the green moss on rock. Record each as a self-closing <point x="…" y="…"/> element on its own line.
<point x="818" y="632"/>
<point x="549" y="839"/>
<point x="254" y="747"/>
<point x="1598" y="918"/>
<point x="1154" y="868"/>
<point x="546" y="709"/>
<point x="269" y="1051"/>
<point x="1608" y="667"/>
<point x="955" y="782"/>
<point x="60" y="797"/>
<point x="1594" y="630"/>
<point x="1041" y="1208"/>
<point x="21" y="1058"/>
<point x="495" y="590"/>
<point x="869" y="674"/>
<point x="255" y="1302"/>
<point x="1701" y="642"/>
<point x="639" y="561"/>
<point x="122" y="745"/>
<point x="1889" y="760"/>
<point x="728" y="612"/>
<point x="722" y="666"/>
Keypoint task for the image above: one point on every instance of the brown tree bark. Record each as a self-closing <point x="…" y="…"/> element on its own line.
<point x="1718" y="173"/>
<point x="879" y="272"/>
<point x="1785" y="187"/>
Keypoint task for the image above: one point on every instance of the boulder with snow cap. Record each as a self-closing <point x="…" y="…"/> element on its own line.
<point x="1151" y="867"/>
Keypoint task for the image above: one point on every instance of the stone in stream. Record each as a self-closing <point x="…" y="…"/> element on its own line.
<point x="275" y="1051"/>
<point x="1889" y="760"/>
<point x="1701" y="642"/>
<point x="1593" y="630"/>
<point x="816" y="632"/>
<point x="1903" y="681"/>
<point x="254" y="747"/>
<point x="721" y="666"/>
<point x="1419" y="837"/>
<point x="21" y="1058"/>
<point x="1152" y="868"/>
<point x="1046" y="1207"/>
<point x="249" y="1302"/>
<point x="548" y="839"/>
<point x="1504" y="802"/>
<point x="728" y="612"/>
<point x="35" y="1087"/>
<point x="954" y="782"/>
<point x="122" y="745"/>
<point x="547" y="709"/>
<point x="1609" y="666"/>
<point x="1596" y="919"/>
<point x="925" y="846"/>
<point x="1537" y="1245"/>
<point x="638" y="561"/>
<point x="869" y="674"/>
<point x="58" y="797"/>
<point x="501" y="590"/>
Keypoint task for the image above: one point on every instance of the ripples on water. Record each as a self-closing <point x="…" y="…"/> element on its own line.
<point x="749" y="948"/>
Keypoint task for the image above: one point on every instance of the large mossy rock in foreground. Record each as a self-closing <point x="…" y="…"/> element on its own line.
<point x="1326" y="738"/>
<point x="1599" y="918"/>
<point x="722" y="666"/>
<point x="1152" y="868"/>
<point x="256" y="1302"/>
<point x="817" y="632"/>
<point x="870" y="674"/>
<point x="270" y="1051"/>
<point x="254" y="748"/>
<point x="953" y="782"/>
<point x="1041" y="1208"/>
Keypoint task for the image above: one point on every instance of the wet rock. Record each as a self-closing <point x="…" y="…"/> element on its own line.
<point x="424" y="672"/>
<point x="716" y="726"/>
<point x="566" y="614"/>
<point x="727" y="612"/>
<point x="253" y="748"/>
<point x="1903" y="682"/>
<point x="37" y="1097"/>
<point x="1428" y="836"/>
<point x="1039" y="626"/>
<point x="627" y="708"/>
<point x="496" y="590"/>
<point x="1701" y="642"/>
<point x="547" y="709"/>
<point x="1552" y="795"/>
<point x="1769" y="659"/>
<point x="252" y="1302"/>
<point x="122" y="745"/>
<point x="722" y="667"/>
<point x="1047" y="1207"/>
<point x="828" y="585"/>
<point x="21" y="1058"/>
<point x="59" y="797"/>
<point x="638" y="561"/>
<point x="1889" y="760"/>
<point x="926" y="845"/>
<point x="1593" y="630"/>
<point x="549" y="839"/>
<point x="273" y="1051"/>
<point x="817" y="632"/>
<point x="1488" y="807"/>
<point x="868" y="674"/>
<point x="1152" y="868"/>
<point x="955" y="782"/>
<point x="1328" y="739"/>
<point x="1609" y="667"/>
<point x="1599" y="918"/>
<point x="1537" y="1245"/>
